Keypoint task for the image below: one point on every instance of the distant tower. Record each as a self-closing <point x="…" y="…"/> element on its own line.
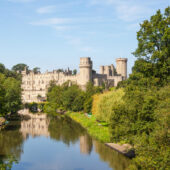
<point x="85" y="71"/>
<point x="101" y="69"/>
<point x="121" y="67"/>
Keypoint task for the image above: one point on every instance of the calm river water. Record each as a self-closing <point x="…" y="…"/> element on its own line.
<point x="43" y="142"/>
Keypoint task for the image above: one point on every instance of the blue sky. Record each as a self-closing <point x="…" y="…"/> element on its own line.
<point x="54" y="34"/>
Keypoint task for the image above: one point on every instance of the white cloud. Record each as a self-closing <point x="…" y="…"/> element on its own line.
<point x="52" y="21"/>
<point x="46" y="9"/>
<point x="130" y="13"/>
<point x="126" y="10"/>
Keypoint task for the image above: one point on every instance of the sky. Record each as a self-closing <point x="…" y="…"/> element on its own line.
<point x="53" y="34"/>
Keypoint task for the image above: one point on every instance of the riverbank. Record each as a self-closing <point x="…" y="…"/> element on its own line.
<point x="97" y="130"/>
<point x="100" y="131"/>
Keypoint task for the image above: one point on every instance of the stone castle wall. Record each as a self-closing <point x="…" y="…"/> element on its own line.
<point x="35" y="86"/>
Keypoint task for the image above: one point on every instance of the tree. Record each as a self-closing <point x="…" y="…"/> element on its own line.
<point x="19" y="67"/>
<point x="74" y="72"/>
<point x="154" y="45"/>
<point x="12" y="95"/>
<point x="36" y="70"/>
<point x="2" y="94"/>
<point x="2" y="68"/>
<point x="142" y="119"/>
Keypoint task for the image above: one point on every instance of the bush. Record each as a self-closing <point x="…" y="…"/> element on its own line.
<point x="103" y="104"/>
<point x="33" y="107"/>
<point x="73" y="98"/>
<point x="88" y="105"/>
<point x="41" y="107"/>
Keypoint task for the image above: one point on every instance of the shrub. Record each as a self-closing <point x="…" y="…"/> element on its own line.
<point x="33" y="107"/>
<point x="103" y="104"/>
<point x="88" y="105"/>
<point x="41" y="107"/>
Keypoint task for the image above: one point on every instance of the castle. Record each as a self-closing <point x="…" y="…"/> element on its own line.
<point x="35" y="86"/>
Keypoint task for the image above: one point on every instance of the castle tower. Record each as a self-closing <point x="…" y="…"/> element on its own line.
<point x="101" y="69"/>
<point x="121" y="67"/>
<point x="85" y="71"/>
<point x="112" y="70"/>
<point x="108" y="70"/>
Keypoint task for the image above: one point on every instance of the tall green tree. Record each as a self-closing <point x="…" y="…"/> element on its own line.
<point x="154" y="46"/>
<point x="12" y="95"/>
<point x="74" y="72"/>
<point x="36" y="70"/>
<point x="2" y="68"/>
<point x="19" y="67"/>
<point x="142" y="119"/>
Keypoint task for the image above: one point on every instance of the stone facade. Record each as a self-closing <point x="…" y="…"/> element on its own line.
<point x="35" y="86"/>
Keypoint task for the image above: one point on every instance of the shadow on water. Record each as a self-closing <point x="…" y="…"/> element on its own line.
<point x="55" y="128"/>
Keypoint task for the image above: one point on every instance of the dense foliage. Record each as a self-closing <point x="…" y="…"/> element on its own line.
<point x="70" y="97"/>
<point x="142" y="114"/>
<point x="143" y="118"/>
<point x="103" y="104"/>
<point x="10" y="91"/>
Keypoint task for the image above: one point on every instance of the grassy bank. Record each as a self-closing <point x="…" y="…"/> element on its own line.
<point x="99" y="131"/>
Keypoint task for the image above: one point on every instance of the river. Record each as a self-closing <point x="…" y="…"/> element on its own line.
<point x="41" y="142"/>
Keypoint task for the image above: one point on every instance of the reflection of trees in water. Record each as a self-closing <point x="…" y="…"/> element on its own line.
<point x="11" y="143"/>
<point x="116" y="160"/>
<point x="61" y="129"/>
<point x="64" y="129"/>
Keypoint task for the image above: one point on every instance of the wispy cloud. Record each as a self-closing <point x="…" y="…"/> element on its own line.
<point x="52" y="21"/>
<point x="130" y="13"/>
<point x="126" y="10"/>
<point x="46" y="9"/>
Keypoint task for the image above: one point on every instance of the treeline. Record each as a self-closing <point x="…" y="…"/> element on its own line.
<point x="72" y="98"/>
<point x="10" y="91"/>
<point x="138" y="111"/>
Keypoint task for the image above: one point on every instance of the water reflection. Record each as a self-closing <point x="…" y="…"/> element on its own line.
<point x="55" y="136"/>
<point x="11" y="143"/>
<point x="86" y="144"/>
<point x="35" y="127"/>
<point x="114" y="159"/>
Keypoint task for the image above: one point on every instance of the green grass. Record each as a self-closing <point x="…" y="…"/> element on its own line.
<point x="99" y="131"/>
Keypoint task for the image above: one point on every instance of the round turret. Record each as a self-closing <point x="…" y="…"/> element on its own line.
<point x="85" y="70"/>
<point x="121" y="67"/>
<point x="85" y="62"/>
